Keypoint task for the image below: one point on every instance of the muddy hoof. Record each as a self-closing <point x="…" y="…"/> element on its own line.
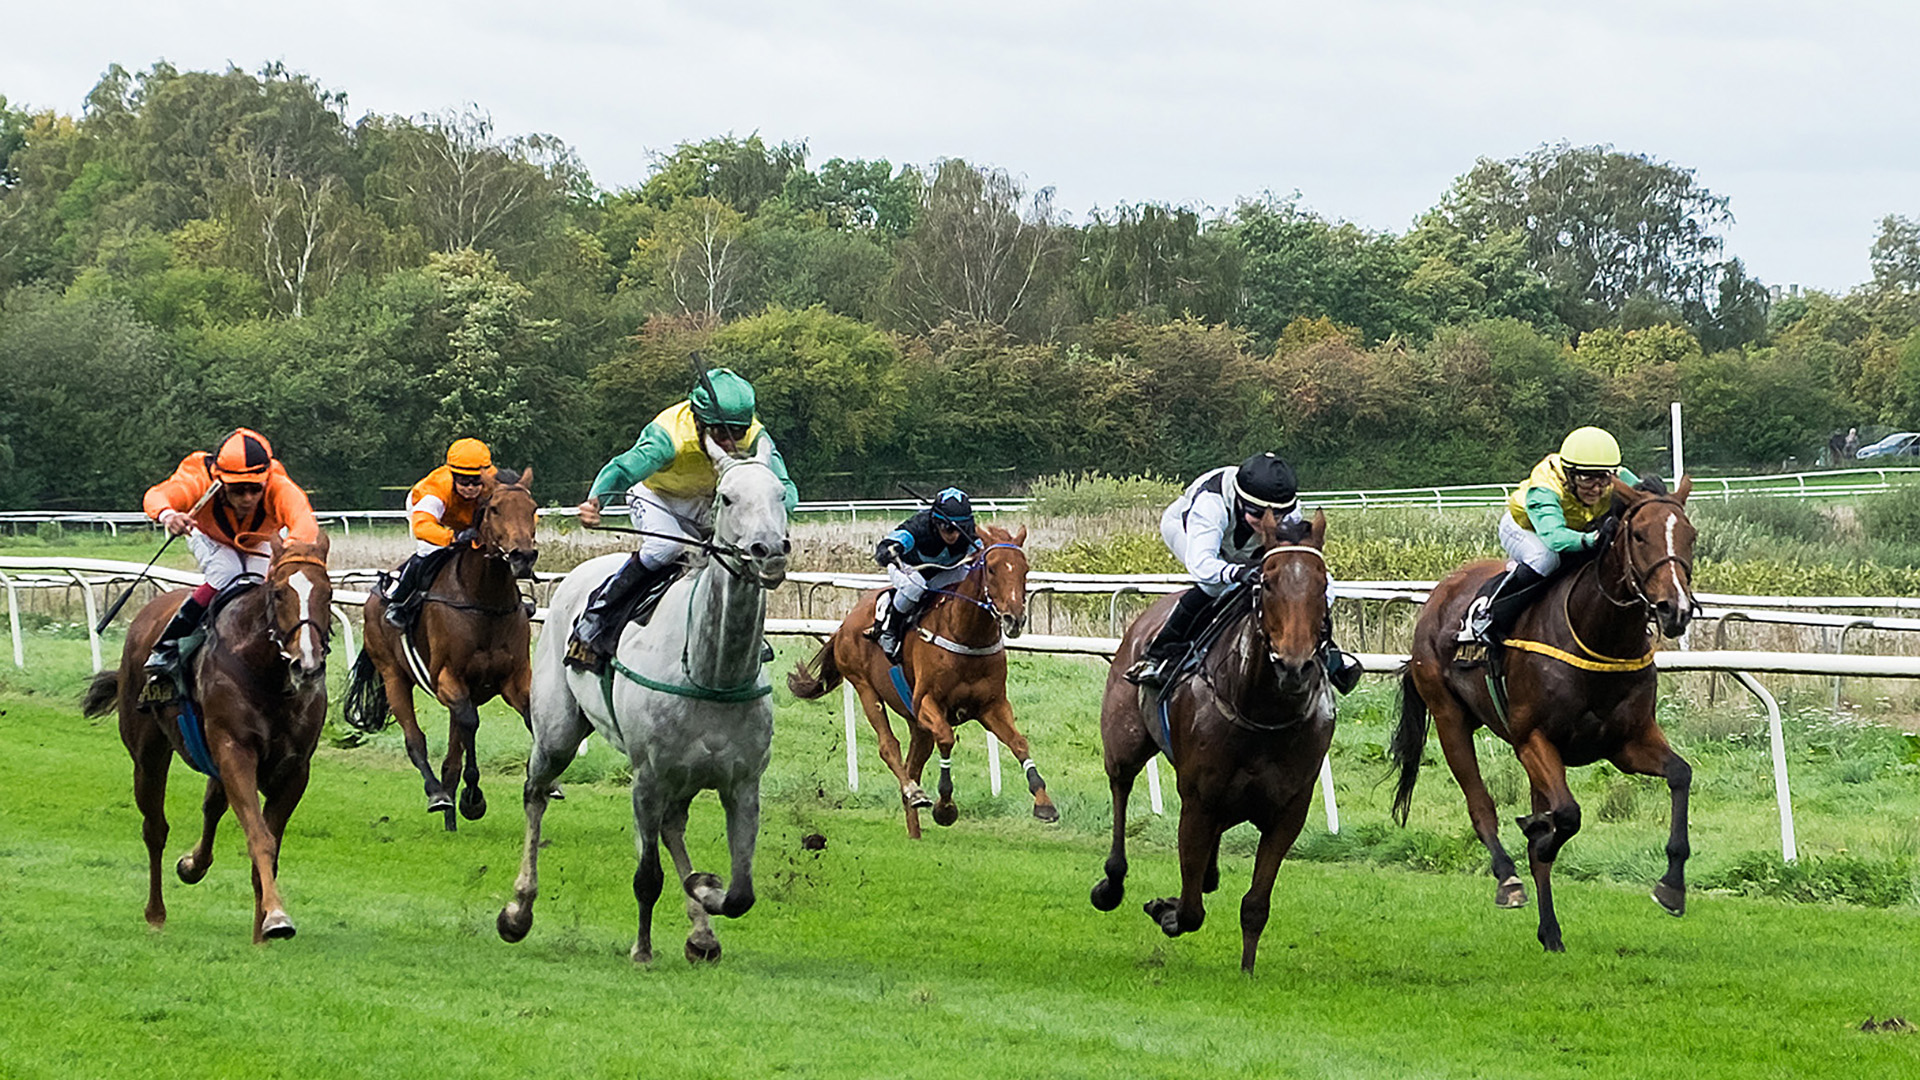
<point x="1107" y="895"/>
<point x="473" y="804"/>
<point x="917" y="799"/>
<point x="276" y="926"/>
<point x="1165" y="912"/>
<point x="439" y="803"/>
<point x="946" y="814"/>
<point x="703" y="952"/>
<point x="190" y="871"/>
<point x="554" y="794"/>
<point x="1672" y="899"/>
<point x="1510" y="894"/>
<point x="1046" y="812"/>
<point x="514" y="927"/>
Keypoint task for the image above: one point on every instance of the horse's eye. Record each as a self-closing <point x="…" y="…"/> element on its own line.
<point x="726" y="500"/>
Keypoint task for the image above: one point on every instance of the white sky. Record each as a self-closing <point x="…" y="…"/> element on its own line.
<point x="1805" y="115"/>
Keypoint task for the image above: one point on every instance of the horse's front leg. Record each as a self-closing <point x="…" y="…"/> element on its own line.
<point x="239" y="775"/>
<point x="1276" y="839"/>
<point x="912" y="798"/>
<point x="648" y="877"/>
<point x="213" y="805"/>
<point x="931" y="716"/>
<point x="1199" y="847"/>
<point x="1124" y="762"/>
<point x="465" y="726"/>
<point x="555" y="741"/>
<point x="998" y="719"/>
<point x="1650" y="755"/>
<point x="1554" y="821"/>
<point x="702" y="945"/>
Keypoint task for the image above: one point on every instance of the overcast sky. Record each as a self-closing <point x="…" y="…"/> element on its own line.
<point x="1805" y="115"/>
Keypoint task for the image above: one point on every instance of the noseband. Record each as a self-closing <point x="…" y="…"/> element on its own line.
<point x="1637" y="578"/>
<point x="320" y="627"/>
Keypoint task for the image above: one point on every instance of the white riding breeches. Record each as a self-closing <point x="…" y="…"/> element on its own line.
<point x="1525" y="546"/>
<point x="688" y="517"/>
<point x="223" y="565"/>
<point x="910" y="586"/>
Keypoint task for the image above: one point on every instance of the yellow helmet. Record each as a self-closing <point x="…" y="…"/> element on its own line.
<point x="469" y="456"/>
<point x="1590" y="448"/>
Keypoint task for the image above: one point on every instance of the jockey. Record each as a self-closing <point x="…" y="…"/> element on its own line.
<point x="927" y="551"/>
<point x="251" y="500"/>
<point x="441" y="509"/>
<point x="669" y="481"/>
<point x="1560" y="509"/>
<point x="1210" y="529"/>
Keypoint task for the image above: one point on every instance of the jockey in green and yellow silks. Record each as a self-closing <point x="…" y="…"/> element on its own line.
<point x="669" y="480"/>
<point x="1563" y="507"/>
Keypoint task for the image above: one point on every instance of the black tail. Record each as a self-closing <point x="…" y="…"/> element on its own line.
<point x="808" y="686"/>
<point x="366" y="704"/>
<point x="103" y="693"/>
<point x="1409" y="744"/>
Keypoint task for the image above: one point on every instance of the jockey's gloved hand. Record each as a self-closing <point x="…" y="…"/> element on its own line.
<point x="1244" y="573"/>
<point x="467" y="535"/>
<point x="888" y="552"/>
<point x="1604" y="534"/>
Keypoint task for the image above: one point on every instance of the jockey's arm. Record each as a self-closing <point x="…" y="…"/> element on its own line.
<point x="1204" y="540"/>
<point x="651" y="452"/>
<point x="177" y="493"/>
<point x="426" y="522"/>
<point x="1628" y="478"/>
<point x="288" y="505"/>
<point x="779" y="466"/>
<point x="1550" y="523"/>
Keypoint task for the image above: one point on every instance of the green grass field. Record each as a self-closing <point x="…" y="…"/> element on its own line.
<point x="974" y="949"/>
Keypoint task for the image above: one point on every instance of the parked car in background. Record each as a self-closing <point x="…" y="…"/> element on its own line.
<point x="1899" y="444"/>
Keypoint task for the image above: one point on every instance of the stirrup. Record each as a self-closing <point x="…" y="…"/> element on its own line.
<point x="1147" y="672"/>
<point x="1476" y="622"/>
<point x="889" y="645"/>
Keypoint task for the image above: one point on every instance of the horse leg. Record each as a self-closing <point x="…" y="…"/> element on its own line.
<point x="556" y="738"/>
<point x="1123" y="767"/>
<point x="648" y="878"/>
<point x="919" y="749"/>
<point x="152" y="757"/>
<point x="193" y="865"/>
<point x="282" y="797"/>
<point x="239" y="774"/>
<point x="998" y="719"/>
<point x="1651" y="756"/>
<point x="702" y="945"/>
<point x="742" y="803"/>
<point x="1276" y="839"/>
<point x="1199" y="846"/>
<point x="1555" y="818"/>
<point x="465" y="725"/>
<point x="518" y="694"/>
<point x="933" y="718"/>
<point x="911" y="796"/>
<point x="400" y="702"/>
<point x="1455" y="732"/>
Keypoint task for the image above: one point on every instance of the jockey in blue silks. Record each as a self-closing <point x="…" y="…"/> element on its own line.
<point x="927" y="552"/>
<point x="1210" y="529"/>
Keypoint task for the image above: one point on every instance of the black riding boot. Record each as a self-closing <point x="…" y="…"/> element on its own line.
<point x="400" y="593"/>
<point x="163" y="663"/>
<point x="596" y="633"/>
<point x="1343" y="668"/>
<point x="891" y="628"/>
<point x="1491" y="620"/>
<point x="1171" y="641"/>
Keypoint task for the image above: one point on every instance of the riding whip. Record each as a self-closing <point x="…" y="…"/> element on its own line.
<point x="114" y="608"/>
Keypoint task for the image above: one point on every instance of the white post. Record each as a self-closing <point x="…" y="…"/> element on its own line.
<point x="346" y="627"/>
<point x="13" y="622"/>
<point x="1153" y="785"/>
<point x="93" y="617"/>
<point x="1789" y="848"/>
<point x="1326" y="794"/>
<point x="847" y="698"/>
<point x="1679" y="447"/>
<point x="993" y="763"/>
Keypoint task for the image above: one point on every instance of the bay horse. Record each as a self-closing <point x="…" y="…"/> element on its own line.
<point x="260" y="681"/>
<point x="683" y="697"/>
<point x="954" y="662"/>
<point x="469" y="643"/>
<point x="1246" y="733"/>
<point x="1580" y="688"/>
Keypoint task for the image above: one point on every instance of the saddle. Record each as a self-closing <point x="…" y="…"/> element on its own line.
<point x="1220" y="614"/>
<point x="186" y="718"/>
<point x="426" y="568"/>
<point x="640" y="607"/>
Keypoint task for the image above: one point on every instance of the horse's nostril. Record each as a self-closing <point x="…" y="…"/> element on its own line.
<point x="758" y="550"/>
<point x="786" y="546"/>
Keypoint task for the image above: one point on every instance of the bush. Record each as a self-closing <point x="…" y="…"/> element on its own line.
<point x="1893" y="517"/>
<point x="51" y="532"/>
<point x="1820" y="878"/>
<point x="1067" y="495"/>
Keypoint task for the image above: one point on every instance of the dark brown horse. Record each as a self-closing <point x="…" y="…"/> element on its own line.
<point x="470" y="644"/>
<point x="261" y="686"/>
<point x="1580" y="688"/>
<point x="956" y="664"/>
<point x="1247" y="732"/>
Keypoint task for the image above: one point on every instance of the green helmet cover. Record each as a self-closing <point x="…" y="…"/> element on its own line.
<point x="730" y="400"/>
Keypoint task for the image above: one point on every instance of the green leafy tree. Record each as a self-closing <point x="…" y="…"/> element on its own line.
<point x="1158" y="261"/>
<point x="739" y="173"/>
<point x="1299" y="265"/>
<point x="982" y="253"/>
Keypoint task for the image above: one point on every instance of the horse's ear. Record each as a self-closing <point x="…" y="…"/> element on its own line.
<point x="1267" y="528"/>
<point x="1685" y="489"/>
<point x="763" y="450"/>
<point x="1020" y="538"/>
<point x="1317" y="534"/>
<point x="321" y="544"/>
<point x="275" y="545"/>
<point x="720" y="458"/>
<point x="526" y="478"/>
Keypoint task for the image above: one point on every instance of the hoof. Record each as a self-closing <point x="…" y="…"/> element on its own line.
<point x="706" y="890"/>
<point x="1165" y="912"/>
<point x="514" y="922"/>
<point x="916" y="797"/>
<point x="190" y="871"/>
<point x="639" y="955"/>
<point x="439" y="803"/>
<point x="276" y="926"/>
<point x="1552" y="944"/>
<point x="1673" y="900"/>
<point x="703" y="950"/>
<point x="554" y="794"/>
<point x="1510" y="894"/>
<point x="1046" y="812"/>
<point x="473" y="804"/>
<point x="945" y="814"/>
<point x="157" y="920"/>
<point x="1107" y="894"/>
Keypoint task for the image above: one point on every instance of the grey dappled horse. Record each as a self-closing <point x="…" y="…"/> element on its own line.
<point x="708" y="725"/>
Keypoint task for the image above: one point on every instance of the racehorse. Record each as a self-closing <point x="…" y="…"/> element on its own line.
<point x="261" y="689"/>
<point x="1579" y="688"/>
<point x="955" y="666"/>
<point x="1246" y="732"/>
<point x="683" y="697"/>
<point x="468" y="644"/>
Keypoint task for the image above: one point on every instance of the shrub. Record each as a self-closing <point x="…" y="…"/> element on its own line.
<point x="1820" y="878"/>
<point x="1893" y="517"/>
<point x="1067" y="495"/>
<point x="51" y="532"/>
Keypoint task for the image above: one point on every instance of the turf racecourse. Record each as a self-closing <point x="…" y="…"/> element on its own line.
<point x="974" y="949"/>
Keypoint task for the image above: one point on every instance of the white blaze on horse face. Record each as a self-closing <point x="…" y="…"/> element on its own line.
<point x="303" y="588"/>
<point x="1673" y="567"/>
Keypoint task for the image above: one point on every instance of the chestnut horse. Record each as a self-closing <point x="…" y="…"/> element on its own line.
<point x="470" y="642"/>
<point x="955" y="662"/>
<point x="261" y="689"/>
<point x="1580" y="688"/>
<point x="1247" y="732"/>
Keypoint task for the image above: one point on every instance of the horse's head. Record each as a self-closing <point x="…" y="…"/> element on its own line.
<point x="300" y="606"/>
<point x="1293" y="596"/>
<point x="1653" y="552"/>
<point x="750" y="513"/>
<point x="1006" y="573"/>
<point x="507" y="520"/>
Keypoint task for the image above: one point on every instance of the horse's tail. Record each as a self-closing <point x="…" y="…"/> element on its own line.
<point x="366" y="704"/>
<point x="1409" y="744"/>
<point x="806" y="684"/>
<point x="102" y="693"/>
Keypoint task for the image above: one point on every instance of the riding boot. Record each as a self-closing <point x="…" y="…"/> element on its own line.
<point x="1491" y="618"/>
<point x="596" y="633"/>
<point x="400" y="593"/>
<point x="1171" y="642"/>
<point x="1343" y="668"/>
<point x="164" y="675"/>
<point x="891" y="628"/>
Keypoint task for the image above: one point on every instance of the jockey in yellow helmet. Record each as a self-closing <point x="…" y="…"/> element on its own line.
<point x="1561" y="508"/>
<point x="440" y="509"/>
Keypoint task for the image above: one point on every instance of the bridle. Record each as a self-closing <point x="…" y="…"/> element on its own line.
<point x="978" y="565"/>
<point x="1262" y="639"/>
<point x="321" y="626"/>
<point x="1637" y="577"/>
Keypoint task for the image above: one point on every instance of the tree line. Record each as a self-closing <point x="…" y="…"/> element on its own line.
<point x="198" y="250"/>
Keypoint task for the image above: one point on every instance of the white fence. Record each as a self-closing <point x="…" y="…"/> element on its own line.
<point x="18" y="573"/>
